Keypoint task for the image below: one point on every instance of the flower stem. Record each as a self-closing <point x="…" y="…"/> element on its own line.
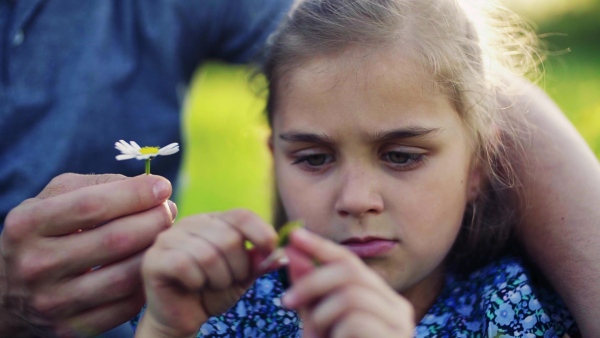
<point x="148" y="166"/>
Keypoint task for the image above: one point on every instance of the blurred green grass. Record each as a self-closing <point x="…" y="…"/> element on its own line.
<point x="226" y="159"/>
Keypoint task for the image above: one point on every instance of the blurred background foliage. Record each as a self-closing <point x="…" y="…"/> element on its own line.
<point x="226" y="159"/>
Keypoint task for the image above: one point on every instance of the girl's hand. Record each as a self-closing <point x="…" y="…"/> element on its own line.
<point x="340" y="296"/>
<point x="199" y="268"/>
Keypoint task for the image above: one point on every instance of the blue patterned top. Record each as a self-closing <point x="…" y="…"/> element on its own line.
<point x="496" y="301"/>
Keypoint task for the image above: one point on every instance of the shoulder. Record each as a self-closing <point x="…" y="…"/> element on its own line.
<point x="499" y="299"/>
<point x="257" y="313"/>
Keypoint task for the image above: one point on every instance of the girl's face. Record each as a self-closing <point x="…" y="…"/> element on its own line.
<point x="372" y="155"/>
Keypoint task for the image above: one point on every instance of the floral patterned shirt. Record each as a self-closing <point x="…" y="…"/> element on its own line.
<point x="496" y="301"/>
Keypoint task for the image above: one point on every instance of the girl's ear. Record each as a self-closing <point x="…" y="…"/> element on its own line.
<point x="475" y="182"/>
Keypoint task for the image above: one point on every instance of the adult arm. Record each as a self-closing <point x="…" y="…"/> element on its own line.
<point x="560" y="224"/>
<point x="70" y="258"/>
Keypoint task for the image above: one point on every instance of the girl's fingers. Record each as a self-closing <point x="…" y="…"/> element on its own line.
<point x="364" y="325"/>
<point x="301" y="263"/>
<point x="194" y="249"/>
<point x="331" y="310"/>
<point x="339" y="287"/>
<point x="215" y="243"/>
<point x="327" y="278"/>
<point x="167" y="265"/>
<point x="338" y="267"/>
<point x="317" y="247"/>
<point x="213" y="262"/>
<point x="227" y="246"/>
<point x="252" y="228"/>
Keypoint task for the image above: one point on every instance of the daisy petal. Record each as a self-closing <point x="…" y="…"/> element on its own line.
<point x="135" y="145"/>
<point x="124" y="150"/>
<point x="123" y="143"/>
<point x="169" y="149"/>
<point x="169" y="152"/>
<point x="124" y="147"/>
<point x="145" y="156"/>
<point x="124" y="157"/>
<point x="169" y="146"/>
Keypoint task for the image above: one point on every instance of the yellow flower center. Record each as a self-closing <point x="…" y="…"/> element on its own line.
<point x="149" y="150"/>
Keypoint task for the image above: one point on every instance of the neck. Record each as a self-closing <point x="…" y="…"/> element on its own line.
<point x="423" y="295"/>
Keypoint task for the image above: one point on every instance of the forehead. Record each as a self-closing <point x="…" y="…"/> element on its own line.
<point x="382" y="84"/>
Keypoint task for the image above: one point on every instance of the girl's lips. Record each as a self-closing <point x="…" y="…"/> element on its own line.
<point x="369" y="247"/>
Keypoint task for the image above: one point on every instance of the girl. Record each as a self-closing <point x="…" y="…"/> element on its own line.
<point x="388" y="144"/>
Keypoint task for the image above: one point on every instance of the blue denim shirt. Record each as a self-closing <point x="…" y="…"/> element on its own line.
<point x="77" y="76"/>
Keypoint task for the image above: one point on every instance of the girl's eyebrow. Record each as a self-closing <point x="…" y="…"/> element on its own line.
<point x="382" y="136"/>
<point x="403" y="133"/>
<point x="294" y="136"/>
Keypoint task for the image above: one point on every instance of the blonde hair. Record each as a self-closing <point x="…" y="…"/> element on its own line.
<point x="467" y="46"/>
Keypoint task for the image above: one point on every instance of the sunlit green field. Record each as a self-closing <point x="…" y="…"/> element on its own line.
<point x="226" y="158"/>
<point x="227" y="163"/>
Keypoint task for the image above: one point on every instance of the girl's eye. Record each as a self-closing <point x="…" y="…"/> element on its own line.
<point x="403" y="160"/>
<point x="314" y="160"/>
<point x="399" y="158"/>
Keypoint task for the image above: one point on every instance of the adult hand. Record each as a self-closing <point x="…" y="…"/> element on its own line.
<point x="71" y="256"/>
<point x="342" y="297"/>
<point x="199" y="268"/>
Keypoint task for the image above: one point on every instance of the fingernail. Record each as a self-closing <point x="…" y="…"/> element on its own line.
<point x="288" y="299"/>
<point x="172" y="208"/>
<point x="303" y="233"/>
<point x="277" y="258"/>
<point x="162" y="190"/>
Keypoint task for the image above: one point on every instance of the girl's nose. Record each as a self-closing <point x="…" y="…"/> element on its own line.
<point x="359" y="194"/>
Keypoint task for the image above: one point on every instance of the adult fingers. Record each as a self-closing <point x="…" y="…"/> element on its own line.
<point x="86" y="207"/>
<point x="69" y="182"/>
<point x="95" y="289"/>
<point x="95" y="321"/>
<point x="76" y="253"/>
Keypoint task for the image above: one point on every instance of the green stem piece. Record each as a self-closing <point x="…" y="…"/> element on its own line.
<point x="148" y="166"/>
<point x="284" y="231"/>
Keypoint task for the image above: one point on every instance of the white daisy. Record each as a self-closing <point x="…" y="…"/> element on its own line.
<point x="133" y="150"/>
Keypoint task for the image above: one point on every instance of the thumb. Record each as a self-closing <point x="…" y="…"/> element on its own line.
<point x="70" y="182"/>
